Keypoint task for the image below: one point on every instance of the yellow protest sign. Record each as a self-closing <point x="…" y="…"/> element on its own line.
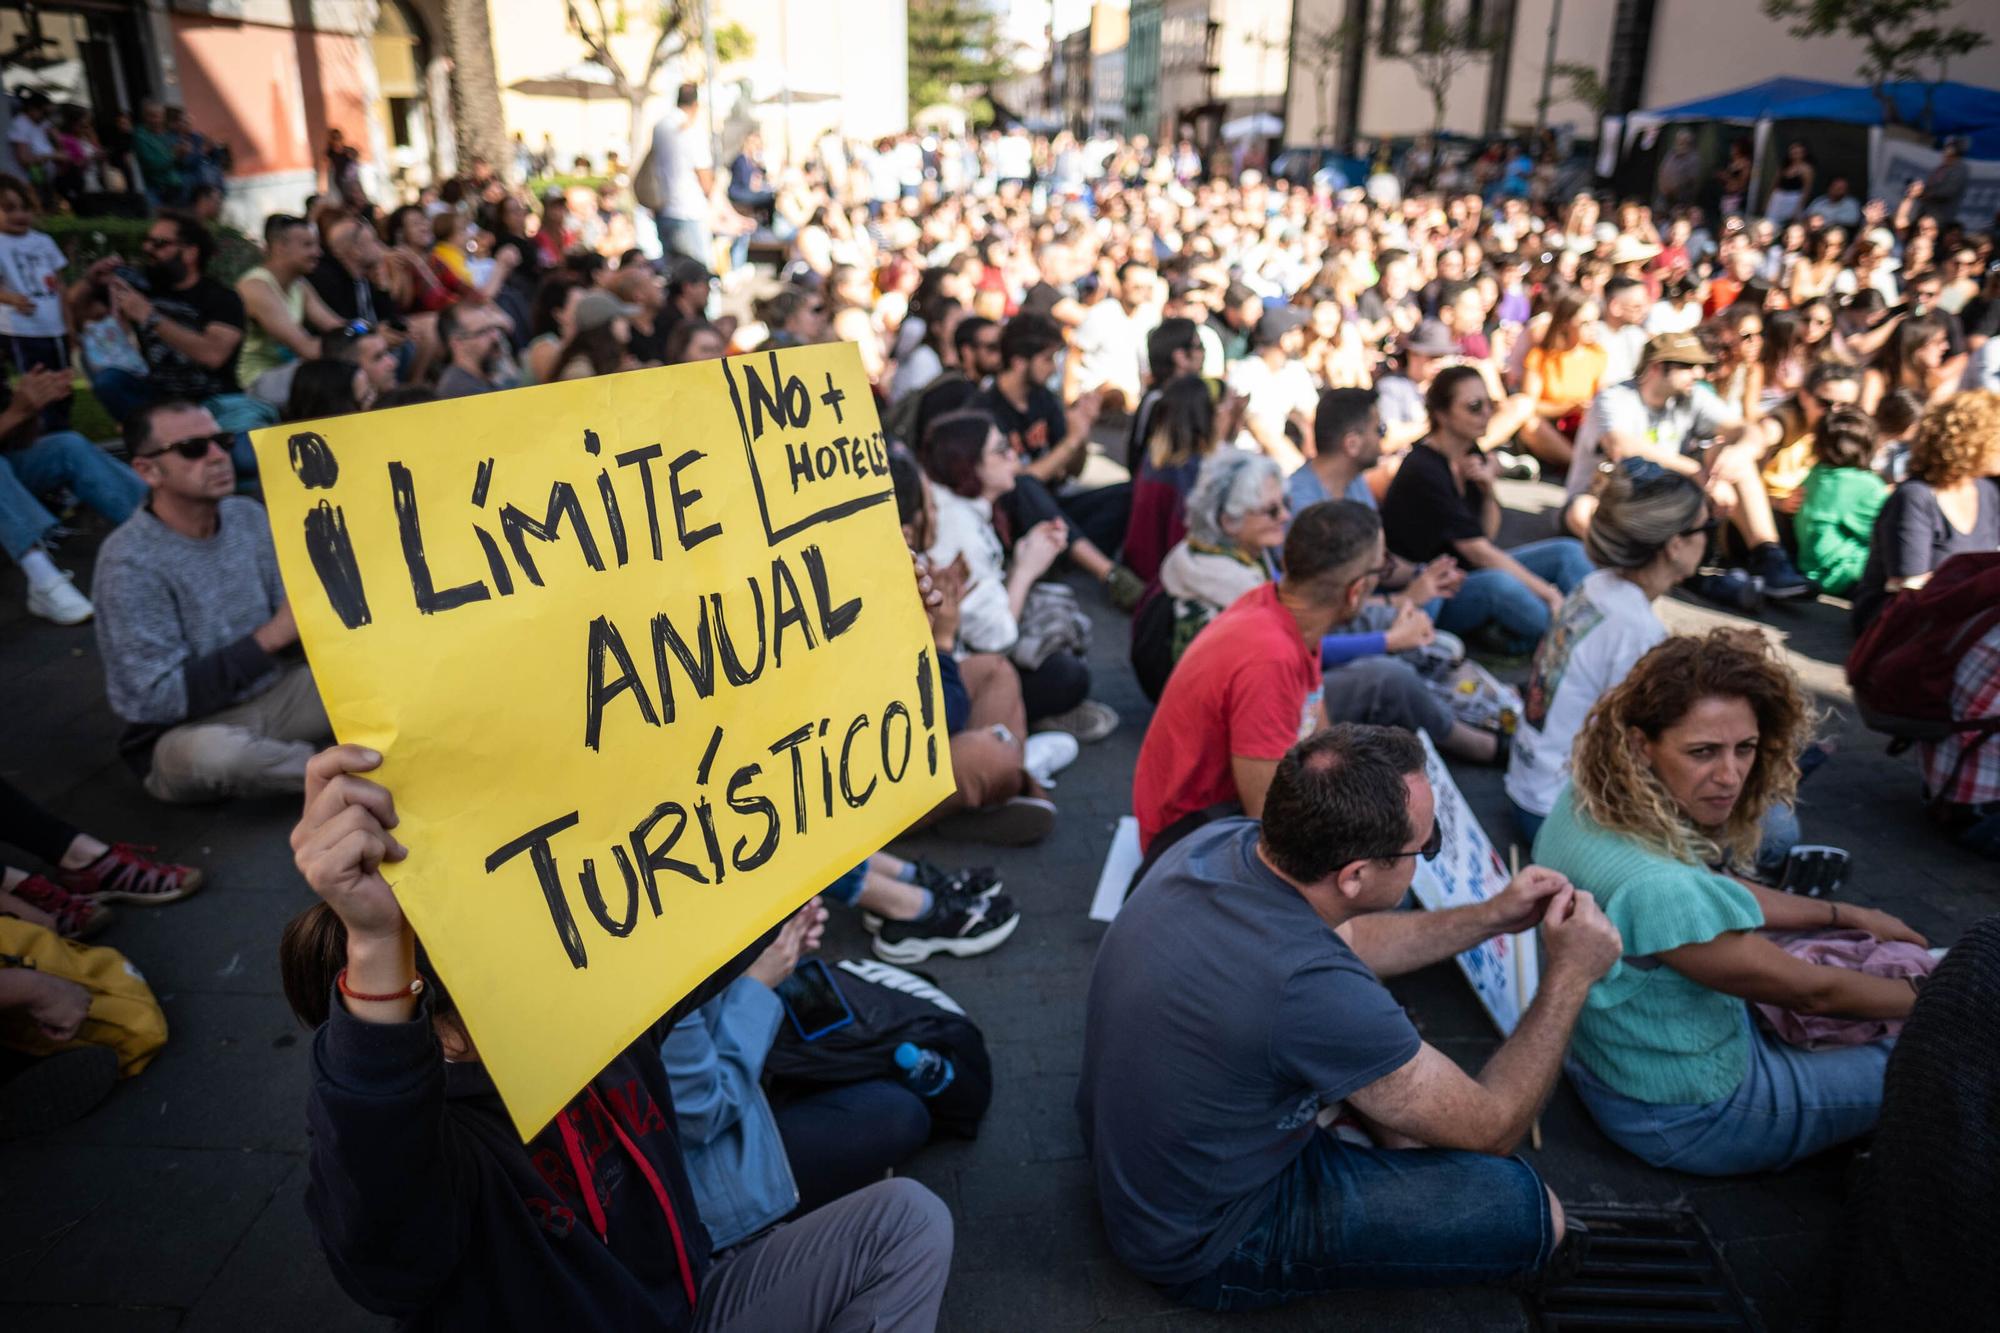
<point x="646" y="662"/>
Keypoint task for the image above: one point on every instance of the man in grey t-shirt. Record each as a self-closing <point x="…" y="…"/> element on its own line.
<point x="1236" y="1002"/>
<point x="195" y="628"/>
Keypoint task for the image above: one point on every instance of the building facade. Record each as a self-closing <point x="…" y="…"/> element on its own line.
<point x="1142" y="69"/>
<point x="1644" y="53"/>
<point x="269" y="78"/>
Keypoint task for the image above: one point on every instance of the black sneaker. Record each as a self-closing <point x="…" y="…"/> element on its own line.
<point x="1780" y="577"/>
<point x="971" y="882"/>
<point x="979" y="881"/>
<point x="1731" y="588"/>
<point x="960" y="925"/>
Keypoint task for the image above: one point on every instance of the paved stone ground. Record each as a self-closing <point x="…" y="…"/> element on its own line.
<point x="177" y="1205"/>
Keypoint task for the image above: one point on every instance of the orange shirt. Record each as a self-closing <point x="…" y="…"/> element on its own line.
<point x="1568" y="377"/>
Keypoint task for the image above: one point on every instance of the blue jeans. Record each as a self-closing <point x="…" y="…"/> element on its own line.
<point x="686" y="237"/>
<point x="1347" y="1216"/>
<point x="1791" y="1104"/>
<point x="64" y="458"/>
<point x="1496" y="597"/>
<point x="124" y="393"/>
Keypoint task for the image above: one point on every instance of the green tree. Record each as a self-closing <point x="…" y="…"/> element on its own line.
<point x="1321" y="51"/>
<point x="676" y="28"/>
<point x="1438" y="48"/>
<point x="1901" y="40"/>
<point x="956" y="48"/>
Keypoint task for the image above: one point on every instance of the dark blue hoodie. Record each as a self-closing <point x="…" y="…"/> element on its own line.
<point x="430" y="1208"/>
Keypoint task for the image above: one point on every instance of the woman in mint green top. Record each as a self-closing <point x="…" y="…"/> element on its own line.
<point x="1669" y="783"/>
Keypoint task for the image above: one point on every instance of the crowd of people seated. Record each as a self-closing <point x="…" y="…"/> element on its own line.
<point x="1276" y="424"/>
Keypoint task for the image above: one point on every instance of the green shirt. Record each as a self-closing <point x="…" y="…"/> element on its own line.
<point x="1836" y="523"/>
<point x="1646" y="1030"/>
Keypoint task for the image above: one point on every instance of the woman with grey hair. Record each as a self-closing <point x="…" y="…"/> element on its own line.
<point x="1650" y="531"/>
<point x="1236" y="520"/>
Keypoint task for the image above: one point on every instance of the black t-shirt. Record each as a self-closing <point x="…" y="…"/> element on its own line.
<point x="350" y="297"/>
<point x="1981" y="318"/>
<point x="176" y="376"/>
<point x="1912" y="536"/>
<point x="1425" y="510"/>
<point x="1033" y="432"/>
<point x="1042" y="298"/>
<point x="651" y="348"/>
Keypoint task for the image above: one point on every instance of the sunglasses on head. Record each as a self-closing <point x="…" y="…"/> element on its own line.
<point x="1429" y="851"/>
<point x="195" y="447"/>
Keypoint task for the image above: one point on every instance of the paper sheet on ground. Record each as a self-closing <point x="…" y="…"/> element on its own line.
<point x="1120" y="860"/>
<point x="646" y="660"/>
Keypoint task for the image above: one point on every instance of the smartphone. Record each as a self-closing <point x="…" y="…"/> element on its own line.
<point x="132" y="278"/>
<point x="813" y="1001"/>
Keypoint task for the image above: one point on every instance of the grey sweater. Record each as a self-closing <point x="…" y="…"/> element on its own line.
<point x="175" y="616"/>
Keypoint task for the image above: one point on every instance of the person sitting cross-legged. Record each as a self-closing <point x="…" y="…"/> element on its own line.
<point x="1670" y="782"/>
<point x="1250" y="684"/>
<point x="191" y="620"/>
<point x="35" y="462"/>
<point x="1207" y="1070"/>
<point x="1442" y="502"/>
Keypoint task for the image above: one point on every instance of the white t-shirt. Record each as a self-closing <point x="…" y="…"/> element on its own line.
<point x="28" y="265"/>
<point x="25" y="133"/>
<point x="1603" y="628"/>
<point x="679" y="151"/>
<point x="1621" y="351"/>
<point x="1110" y="348"/>
<point x="1273" y="395"/>
<point x="1619" y="410"/>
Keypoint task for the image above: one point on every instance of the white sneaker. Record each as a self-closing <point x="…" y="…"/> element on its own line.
<point x="1047" y="753"/>
<point x="60" y="601"/>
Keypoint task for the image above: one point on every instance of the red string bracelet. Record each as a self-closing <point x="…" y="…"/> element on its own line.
<point x="409" y="992"/>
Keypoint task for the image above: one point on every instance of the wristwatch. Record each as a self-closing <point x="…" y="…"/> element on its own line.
<point x="151" y="321"/>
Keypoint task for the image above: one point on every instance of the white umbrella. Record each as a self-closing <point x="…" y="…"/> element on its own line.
<point x="1262" y="125"/>
<point x="582" y="80"/>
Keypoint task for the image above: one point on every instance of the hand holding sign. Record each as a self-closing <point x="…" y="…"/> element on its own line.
<point x="645" y="667"/>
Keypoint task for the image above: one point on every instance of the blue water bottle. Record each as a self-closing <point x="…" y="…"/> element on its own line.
<point x="925" y="1072"/>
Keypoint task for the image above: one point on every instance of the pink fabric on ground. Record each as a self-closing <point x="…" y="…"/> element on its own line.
<point x="1858" y="951"/>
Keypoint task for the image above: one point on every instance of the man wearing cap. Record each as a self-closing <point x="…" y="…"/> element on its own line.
<point x="1667" y="414"/>
<point x="1277" y="388"/>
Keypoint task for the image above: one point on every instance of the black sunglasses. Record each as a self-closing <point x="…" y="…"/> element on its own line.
<point x="1702" y="530"/>
<point x="1429" y="851"/>
<point x="195" y="447"/>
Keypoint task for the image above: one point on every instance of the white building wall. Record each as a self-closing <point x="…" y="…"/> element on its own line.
<point x="1710" y="46"/>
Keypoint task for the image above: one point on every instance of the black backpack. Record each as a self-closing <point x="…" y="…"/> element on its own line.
<point x="891" y="1006"/>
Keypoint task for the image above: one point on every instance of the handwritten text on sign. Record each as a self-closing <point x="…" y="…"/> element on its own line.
<point x="1505" y="971"/>
<point x="646" y="661"/>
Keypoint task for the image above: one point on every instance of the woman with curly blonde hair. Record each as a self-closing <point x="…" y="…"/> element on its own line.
<point x="1949" y="504"/>
<point x="1672" y="776"/>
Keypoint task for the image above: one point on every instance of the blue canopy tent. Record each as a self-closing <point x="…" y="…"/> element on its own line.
<point x="1942" y="109"/>
<point x="1746" y="106"/>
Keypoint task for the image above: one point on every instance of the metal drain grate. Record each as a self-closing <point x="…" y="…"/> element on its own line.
<point x="1646" y="1268"/>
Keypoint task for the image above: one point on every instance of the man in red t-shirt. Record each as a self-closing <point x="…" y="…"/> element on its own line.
<point x="1248" y="688"/>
